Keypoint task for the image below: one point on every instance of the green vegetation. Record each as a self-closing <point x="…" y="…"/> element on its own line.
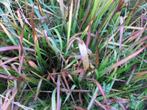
<point x="73" y="55"/>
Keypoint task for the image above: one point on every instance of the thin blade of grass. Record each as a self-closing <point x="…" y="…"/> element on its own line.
<point x="52" y="44"/>
<point x="58" y="94"/>
<point x="79" y="108"/>
<point x="60" y="39"/>
<point x="101" y="105"/>
<point x="139" y="75"/>
<point x="76" y="16"/>
<point x="21" y="51"/>
<point x="8" y="34"/>
<point x="8" y="61"/>
<point x="10" y="48"/>
<point x="38" y="89"/>
<point x="121" y="31"/>
<point x="61" y="4"/>
<point x="102" y="11"/>
<point x="92" y="99"/>
<point x="119" y="63"/>
<point x="53" y="100"/>
<point x="99" y="87"/>
<point x="35" y="38"/>
<point x="19" y="18"/>
<point x="70" y="21"/>
<point x="88" y="39"/>
<point x="8" y="77"/>
<point x="69" y="94"/>
<point x="131" y="76"/>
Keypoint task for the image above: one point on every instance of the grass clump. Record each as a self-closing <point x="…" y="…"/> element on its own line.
<point x="76" y="54"/>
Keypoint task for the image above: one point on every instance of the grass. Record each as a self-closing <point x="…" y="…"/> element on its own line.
<point x="77" y="54"/>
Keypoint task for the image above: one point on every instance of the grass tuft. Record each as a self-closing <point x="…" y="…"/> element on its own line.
<point x="73" y="54"/>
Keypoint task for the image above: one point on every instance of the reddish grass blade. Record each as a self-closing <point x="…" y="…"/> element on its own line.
<point x="89" y="34"/>
<point x="120" y="5"/>
<point x="119" y="63"/>
<point x="7" y="77"/>
<point x="64" y="75"/>
<point x="88" y="39"/>
<point x="79" y="108"/>
<point x="33" y="28"/>
<point x="8" y="61"/>
<point x="75" y="90"/>
<point x="25" y="19"/>
<point x="58" y="94"/>
<point x="143" y="39"/>
<point x="7" y="102"/>
<point x="19" y="17"/>
<point x="101" y="105"/>
<point x="21" y="60"/>
<point x="21" y="52"/>
<point x="134" y="35"/>
<point x="99" y="87"/>
<point x="8" y="48"/>
<point x="118" y="100"/>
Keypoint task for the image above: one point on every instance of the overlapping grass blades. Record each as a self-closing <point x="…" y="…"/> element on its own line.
<point x="65" y="55"/>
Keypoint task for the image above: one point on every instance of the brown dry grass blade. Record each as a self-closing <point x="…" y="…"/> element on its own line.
<point x="97" y="61"/>
<point x="33" y="27"/>
<point x="83" y="51"/>
<point x="140" y="75"/>
<point x="21" y="51"/>
<point x="120" y="5"/>
<point x="39" y="8"/>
